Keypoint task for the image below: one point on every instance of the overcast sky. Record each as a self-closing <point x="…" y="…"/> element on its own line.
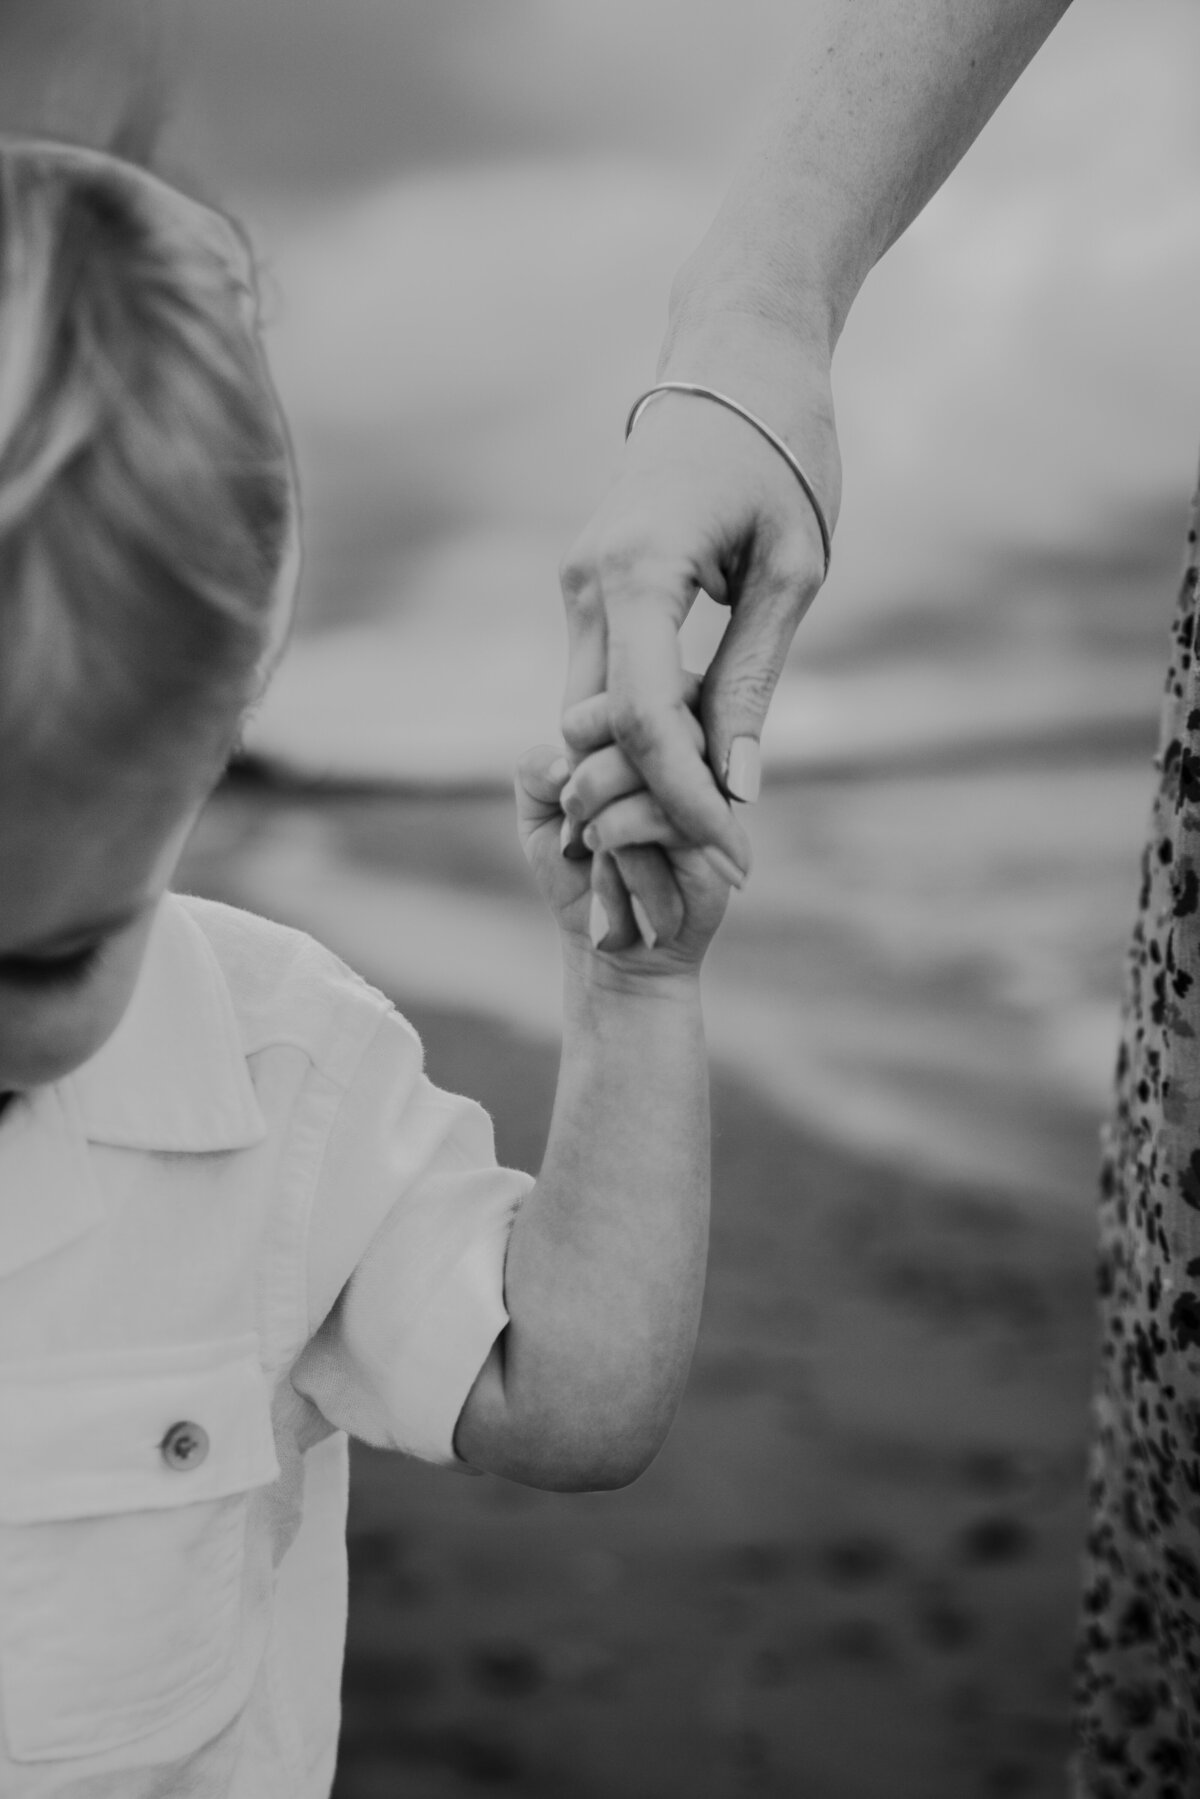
<point x="320" y="93"/>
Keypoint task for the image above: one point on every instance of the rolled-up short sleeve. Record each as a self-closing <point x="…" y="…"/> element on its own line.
<point x="407" y="1239"/>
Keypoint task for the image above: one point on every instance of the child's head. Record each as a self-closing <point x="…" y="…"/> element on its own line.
<point x="147" y="542"/>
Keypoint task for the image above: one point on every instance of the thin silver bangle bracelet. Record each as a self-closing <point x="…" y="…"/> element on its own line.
<point x="776" y="442"/>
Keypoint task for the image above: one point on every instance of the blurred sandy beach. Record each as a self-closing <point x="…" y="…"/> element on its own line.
<point x="852" y="1571"/>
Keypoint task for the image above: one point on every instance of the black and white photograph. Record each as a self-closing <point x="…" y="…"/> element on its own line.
<point x="599" y="899"/>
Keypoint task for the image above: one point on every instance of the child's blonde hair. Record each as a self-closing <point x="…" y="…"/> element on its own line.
<point x="146" y="484"/>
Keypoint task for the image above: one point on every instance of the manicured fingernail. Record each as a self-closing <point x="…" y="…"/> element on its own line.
<point x="598" y="924"/>
<point x="558" y="770"/>
<point x="725" y="866"/>
<point x="591" y="837"/>
<point x="743" y="769"/>
<point x="649" y="935"/>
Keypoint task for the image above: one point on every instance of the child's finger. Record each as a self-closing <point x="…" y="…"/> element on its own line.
<point x="638" y="818"/>
<point x="587" y="725"/>
<point x="541" y="775"/>
<point x="611" y="925"/>
<point x="654" y="895"/>
<point x="604" y="776"/>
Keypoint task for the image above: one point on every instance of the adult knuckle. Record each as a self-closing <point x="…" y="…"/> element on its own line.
<point x="590" y="583"/>
<point x="618" y="558"/>
<point x="579" y="580"/>
<point x="794" y="571"/>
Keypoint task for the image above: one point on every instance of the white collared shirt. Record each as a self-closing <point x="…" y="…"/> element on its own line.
<point x="249" y="1225"/>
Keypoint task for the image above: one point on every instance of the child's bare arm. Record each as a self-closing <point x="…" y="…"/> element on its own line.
<point x="606" y="1264"/>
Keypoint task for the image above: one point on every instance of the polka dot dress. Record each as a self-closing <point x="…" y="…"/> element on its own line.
<point x="1138" y="1674"/>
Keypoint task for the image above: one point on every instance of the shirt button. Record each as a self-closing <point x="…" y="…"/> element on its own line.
<point x="184" y="1446"/>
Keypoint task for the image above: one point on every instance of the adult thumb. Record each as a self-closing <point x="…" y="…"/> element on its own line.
<point x="741" y="680"/>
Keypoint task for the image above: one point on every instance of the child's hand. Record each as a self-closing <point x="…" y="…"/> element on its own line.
<point x="646" y="898"/>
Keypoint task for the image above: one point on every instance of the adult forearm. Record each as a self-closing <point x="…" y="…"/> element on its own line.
<point x="884" y="99"/>
<point x="605" y="1267"/>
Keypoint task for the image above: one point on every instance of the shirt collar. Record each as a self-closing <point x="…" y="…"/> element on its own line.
<point x="173" y="1075"/>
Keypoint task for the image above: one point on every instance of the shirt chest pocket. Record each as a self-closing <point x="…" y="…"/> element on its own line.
<point x="124" y="1489"/>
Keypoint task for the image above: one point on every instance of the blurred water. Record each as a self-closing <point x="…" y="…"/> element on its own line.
<point x="469" y="215"/>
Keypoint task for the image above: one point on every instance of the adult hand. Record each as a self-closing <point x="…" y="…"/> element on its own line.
<point x="702" y="501"/>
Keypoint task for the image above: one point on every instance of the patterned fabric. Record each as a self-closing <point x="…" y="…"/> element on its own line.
<point x="1138" y="1674"/>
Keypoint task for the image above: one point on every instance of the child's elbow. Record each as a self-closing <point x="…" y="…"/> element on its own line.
<point x="601" y="1473"/>
<point x="583" y="1466"/>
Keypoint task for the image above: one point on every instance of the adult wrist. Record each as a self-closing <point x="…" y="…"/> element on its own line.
<point x="747" y="345"/>
<point x="740" y="273"/>
<point x="779" y="371"/>
<point x="790" y="260"/>
<point x="738" y="317"/>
